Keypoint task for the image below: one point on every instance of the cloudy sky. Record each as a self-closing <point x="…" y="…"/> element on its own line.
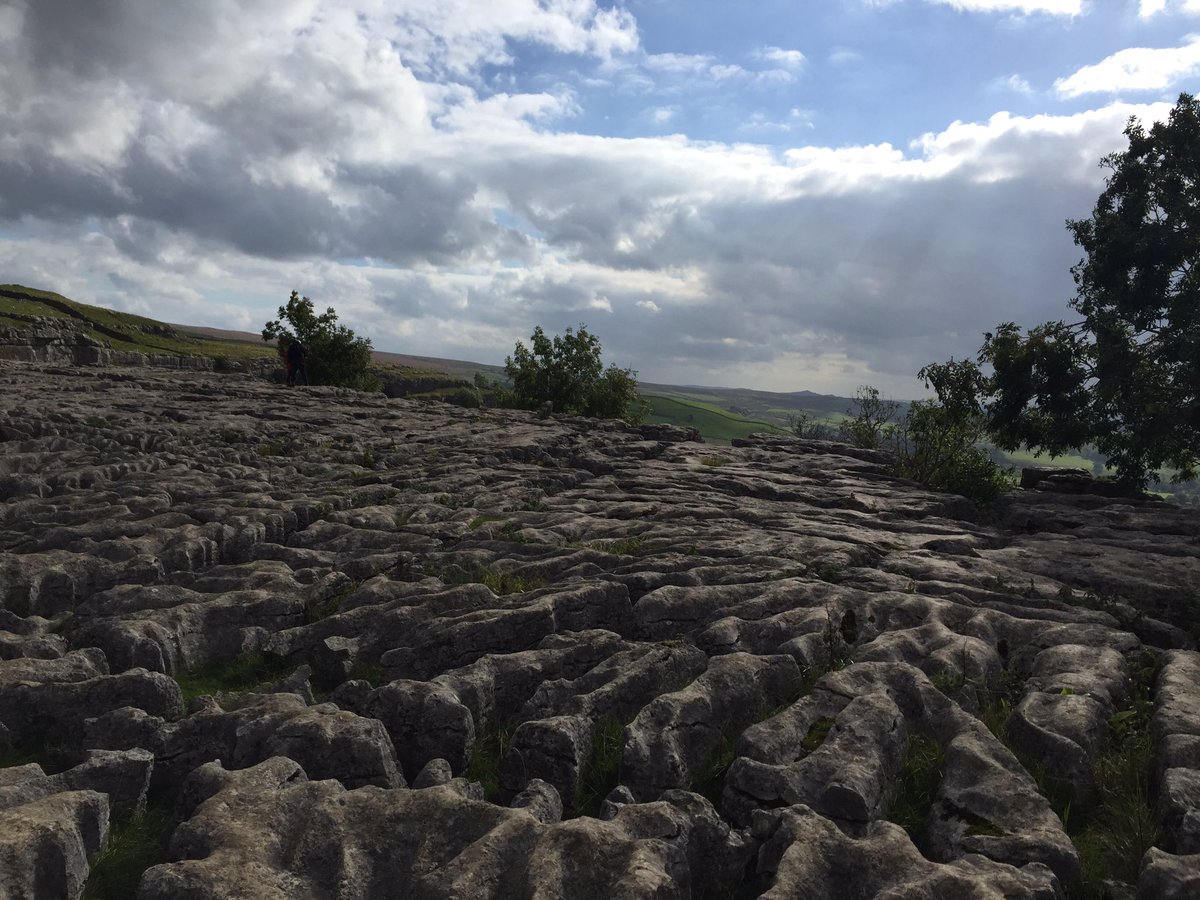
<point x="783" y="194"/>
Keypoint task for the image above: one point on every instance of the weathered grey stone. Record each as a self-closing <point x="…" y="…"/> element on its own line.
<point x="1165" y="876"/>
<point x="326" y="741"/>
<point x="438" y="844"/>
<point x="555" y="747"/>
<point x="806" y="855"/>
<point x="34" y="710"/>
<point x="425" y="721"/>
<point x="675" y="734"/>
<point x="1179" y="806"/>
<point x="435" y="772"/>
<point x="988" y="805"/>
<point x="45" y="844"/>
<point x="1064" y="732"/>
<point x="542" y="800"/>
<point x="174" y="520"/>
<point x="1095" y="672"/>
<point x="122" y="775"/>
<point x="847" y="776"/>
<point x="352" y="695"/>
<point x="1177" y="695"/>
<point x="297" y="683"/>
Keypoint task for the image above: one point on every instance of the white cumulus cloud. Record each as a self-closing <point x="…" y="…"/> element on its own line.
<point x="790" y="58"/>
<point x="1053" y="7"/>
<point x="1149" y="8"/>
<point x="1135" y="69"/>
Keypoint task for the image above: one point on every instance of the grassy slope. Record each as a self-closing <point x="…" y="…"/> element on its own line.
<point x="125" y="331"/>
<point x="122" y="331"/>
<point x="715" y="424"/>
<point x="1069" y="460"/>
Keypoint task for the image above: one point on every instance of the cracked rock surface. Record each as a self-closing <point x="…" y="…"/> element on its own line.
<point x="365" y="648"/>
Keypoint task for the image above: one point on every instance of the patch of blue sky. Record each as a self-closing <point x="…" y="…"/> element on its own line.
<point x="506" y="218"/>
<point x="871" y="73"/>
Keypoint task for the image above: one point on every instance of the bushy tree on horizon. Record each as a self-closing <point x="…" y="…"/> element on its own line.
<point x="939" y="442"/>
<point x="872" y="424"/>
<point x="1125" y="376"/>
<point x="335" y="356"/>
<point x="567" y="370"/>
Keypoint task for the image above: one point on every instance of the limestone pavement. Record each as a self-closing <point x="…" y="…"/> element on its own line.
<point x="478" y="653"/>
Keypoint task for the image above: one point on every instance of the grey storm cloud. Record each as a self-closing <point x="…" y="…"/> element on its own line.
<point x="283" y="133"/>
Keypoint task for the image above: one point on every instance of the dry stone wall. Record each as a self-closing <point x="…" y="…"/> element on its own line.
<point x="368" y="648"/>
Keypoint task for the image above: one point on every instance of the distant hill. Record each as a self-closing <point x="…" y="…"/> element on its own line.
<point x="456" y="368"/>
<point x="720" y="414"/>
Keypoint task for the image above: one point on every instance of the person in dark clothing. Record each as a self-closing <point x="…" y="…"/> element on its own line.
<point x="295" y="363"/>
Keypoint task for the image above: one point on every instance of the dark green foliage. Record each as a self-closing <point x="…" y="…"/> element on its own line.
<point x="869" y="426"/>
<point x="486" y="757"/>
<point x="334" y="355"/>
<point x="937" y="444"/>
<point x="499" y="582"/>
<point x="134" y="844"/>
<point x="804" y="424"/>
<point x="601" y="769"/>
<point x="466" y="397"/>
<point x="567" y="371"/>
<point x="1114" y="835"/>
<point x="916" y="788"/>
<point x="234" y="676"/>
<point x="709" y="781"/>
<point x="1126" y="375"/>
<point x="817" y="732"/>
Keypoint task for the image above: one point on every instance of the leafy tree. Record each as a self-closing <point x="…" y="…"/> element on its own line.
<point x="872" y="424"/>
<point x="938" y="442"/>
<point x="567" y="370"/>
<point x="334" y="355"/>
<point x="1126" y="375"/>
<point x="804" y="424"/>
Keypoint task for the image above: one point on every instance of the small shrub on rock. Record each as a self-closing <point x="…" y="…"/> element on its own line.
<point x="466" y="397"/>
<point x="567" y="372"/>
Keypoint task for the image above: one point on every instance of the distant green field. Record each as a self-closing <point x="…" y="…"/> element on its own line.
<point x="1067" y="460"/>
<point x="715" y="424"/>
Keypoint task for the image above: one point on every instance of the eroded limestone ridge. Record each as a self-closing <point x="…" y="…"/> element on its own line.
<point x="355" y="647"/>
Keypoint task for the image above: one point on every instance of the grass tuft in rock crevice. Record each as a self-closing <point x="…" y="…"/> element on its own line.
<point x="486" y="758"/>
<point x="135" y="843"/>
<point x="500" y="583"/>
<point x="917" y="785"/>
<point x="234" y="676"/>
<point x="709" y="780"/>
<point x="601" y="770"/>
<point x="1113" y="832"/>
